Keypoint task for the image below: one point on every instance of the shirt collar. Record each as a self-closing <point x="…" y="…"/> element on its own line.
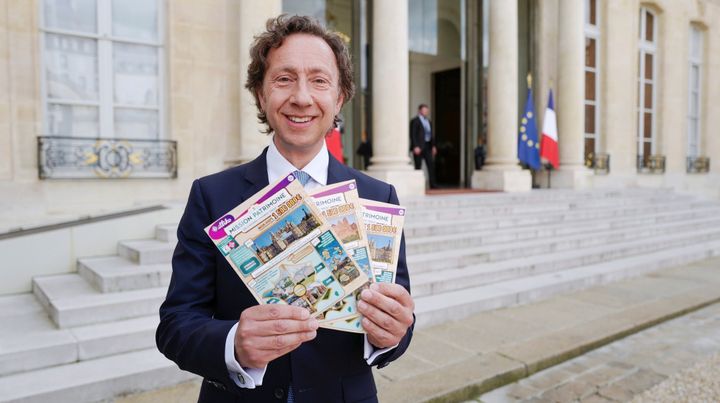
<point x="317" y="168"/>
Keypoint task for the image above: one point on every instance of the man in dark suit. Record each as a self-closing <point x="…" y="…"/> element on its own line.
<point x="422" y="142"/>
<point x="300" y="75"/>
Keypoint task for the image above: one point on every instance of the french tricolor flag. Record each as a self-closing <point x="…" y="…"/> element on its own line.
<point x="549" y="141"/>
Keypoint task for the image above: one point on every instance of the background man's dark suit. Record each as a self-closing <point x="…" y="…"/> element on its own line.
<point x="417" y="139"/>
<point x="206" y="297"/>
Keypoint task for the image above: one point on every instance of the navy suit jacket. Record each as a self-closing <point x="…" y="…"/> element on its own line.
<point x="205" y="299"/>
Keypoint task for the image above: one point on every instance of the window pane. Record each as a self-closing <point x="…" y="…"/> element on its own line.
<point x="137" y="19"/>
<point x="695" y="42"/>
<point x="589" y="119"/>
<point x="72" y="15"/>
<point x="694" y="77"/>
<point x="136" y="123"/>
<point x="72" y="120"/>
<point x="135" y="74"/>
<point x="593" y="11"/>
<point x="648" y="96"/>
<point x="647" y="129"/>
<point x="589" y="85"/>
<point x="694" y="106"/>
<point x="647" y="148"/>
<point x="649" y="21"/>
<point x="590" y="52"/>
<point x="693" y="137"/>
<point x="423" y="26"/>
<point x="71" y="65"/>
<point x="649" y="66"/>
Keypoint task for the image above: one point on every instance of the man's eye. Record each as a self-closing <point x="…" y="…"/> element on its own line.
<point x="283" y="79"/>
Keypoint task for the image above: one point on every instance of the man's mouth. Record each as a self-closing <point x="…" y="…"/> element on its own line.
<point x="299" y="119"/>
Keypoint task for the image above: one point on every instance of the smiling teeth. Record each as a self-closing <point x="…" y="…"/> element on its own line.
<point x="296" y="119"/>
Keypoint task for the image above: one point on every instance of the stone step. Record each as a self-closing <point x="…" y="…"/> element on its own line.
<point x="166" y="233"/>
<point x="461" y="257"/>
<point x="450" y="279"/>
<point x="455" y="305"/>
<point x="463" y="238"/>
<point x="424" y="227"/>
<point x="503" y="212"/>
<point x="486" y="205"/>
<point x="115" y="273"/>
<point x="71" y="301"/>
<point x="95" y="380"/>
<point x="146" y="251"/>
<point x="538" y="195"/>
<point x="35" y="342"/>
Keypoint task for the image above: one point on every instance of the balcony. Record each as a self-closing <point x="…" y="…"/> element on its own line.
<point x="600" y="163"/>
<point x="698" y="165"/>
<point x="94" y="158"/>
<point x="651" y="164"/>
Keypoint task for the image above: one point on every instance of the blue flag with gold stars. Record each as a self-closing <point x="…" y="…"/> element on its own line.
<point x="528" y="146"/>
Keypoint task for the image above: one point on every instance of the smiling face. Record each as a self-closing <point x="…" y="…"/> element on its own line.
<point x="301" y="96"/>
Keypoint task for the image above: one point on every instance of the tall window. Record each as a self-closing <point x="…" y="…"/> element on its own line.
<point x="102" y="64"/>
<point x="695" y="71"/>
<point x="592" y="39"/>
<point x="647" y="82"/>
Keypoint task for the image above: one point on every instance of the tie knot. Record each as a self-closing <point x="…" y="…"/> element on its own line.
<point x="302" y="176"/>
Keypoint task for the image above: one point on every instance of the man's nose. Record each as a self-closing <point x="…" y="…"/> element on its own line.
<point x="301" y="95"/>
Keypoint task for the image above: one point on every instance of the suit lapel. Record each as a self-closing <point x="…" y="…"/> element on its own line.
<point x="256" y="175"/>
<point x="337" y="172"/>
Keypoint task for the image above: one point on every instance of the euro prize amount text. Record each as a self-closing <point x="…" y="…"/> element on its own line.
<point x="285" y="207"/>
<point x="381" y="228"/>
<point x="333" y="211"/>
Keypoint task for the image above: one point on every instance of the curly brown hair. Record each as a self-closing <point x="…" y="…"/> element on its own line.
<point x="276" y="30"/>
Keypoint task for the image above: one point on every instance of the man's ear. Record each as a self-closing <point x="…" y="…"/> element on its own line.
<point x="261" y="99"/>
<point x="339" y="103"/>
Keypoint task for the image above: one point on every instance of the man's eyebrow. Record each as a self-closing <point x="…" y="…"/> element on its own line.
<point x="294" y="70"/>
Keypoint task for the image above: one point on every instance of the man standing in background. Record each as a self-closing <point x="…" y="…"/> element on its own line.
<point x="422" y="142"/>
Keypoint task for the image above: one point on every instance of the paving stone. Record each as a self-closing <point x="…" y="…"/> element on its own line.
<point x="640" y="381"/>
<point x="436" y="350"/>
<point x="522" y="392"/>
<point x="570" y="391"/>
<point x="596" y="399"/>
<point x="548" y="379"/>
<point x="616" y="393"/>
<point x="410" y="365"/>
<point x="603" y="375"/>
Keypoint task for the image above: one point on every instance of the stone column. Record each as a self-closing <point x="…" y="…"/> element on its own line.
<point x="502" y="172"/>
<point x="618" y="95"/>
<point x="570" y="110"/>
<point x="250" y="141"/>
<point x="390" y="136"/>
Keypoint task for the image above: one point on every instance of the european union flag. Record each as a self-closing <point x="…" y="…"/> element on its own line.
<point x="528" y="146"/>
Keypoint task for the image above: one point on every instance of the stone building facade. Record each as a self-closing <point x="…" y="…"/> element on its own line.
<point x="133" y="105"/>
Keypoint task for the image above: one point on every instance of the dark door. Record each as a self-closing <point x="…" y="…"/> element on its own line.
<point x="446" y="118"/>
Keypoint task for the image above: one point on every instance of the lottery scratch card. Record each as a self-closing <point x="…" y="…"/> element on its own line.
<point x="278" y="243"/>
<point x="383" y="226"/>
<point x="340" y="205"/>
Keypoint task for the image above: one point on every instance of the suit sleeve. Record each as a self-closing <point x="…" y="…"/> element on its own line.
<point x="188" y="334"/>
<point x="402" y="277"/>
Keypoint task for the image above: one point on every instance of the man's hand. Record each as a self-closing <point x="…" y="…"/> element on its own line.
<point x="266" y="332"/>
<point x="434" y="151"/>
<point x="417" y="150"/>
<point x="388" y="313"/>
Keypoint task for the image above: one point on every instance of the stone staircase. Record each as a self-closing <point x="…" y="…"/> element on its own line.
<point x="89" y="336"/>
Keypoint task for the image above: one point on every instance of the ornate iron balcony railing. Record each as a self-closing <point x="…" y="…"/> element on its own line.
<point x="93" y="158"/>
<point x="651" y="164"/>
<point x="698" y="165"/>
<point x="600" y="163"/>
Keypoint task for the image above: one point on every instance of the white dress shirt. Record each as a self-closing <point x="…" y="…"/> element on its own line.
<point x="278" y="167"/>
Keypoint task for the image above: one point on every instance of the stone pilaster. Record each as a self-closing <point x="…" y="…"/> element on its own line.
<point x="250" y="141"/>
<point x="501" y="171"/>
<point x="390" y="87"/>
<point x="571" y="78"/>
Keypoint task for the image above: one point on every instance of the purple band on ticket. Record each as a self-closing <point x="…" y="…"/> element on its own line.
<point x="217" y="230"/>
<point x="340" y="189"/>
<point x="282" y="185"/>
<point x="388" y="210"/>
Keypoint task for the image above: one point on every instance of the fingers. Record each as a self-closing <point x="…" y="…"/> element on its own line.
<point x="274" y="312"/>
<point x="284" y="326"/>
<point x="280" y="342"/>
<point x="393" y="299"/>
<point x="378" y="336"/>
<point x="394" y="291"/>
